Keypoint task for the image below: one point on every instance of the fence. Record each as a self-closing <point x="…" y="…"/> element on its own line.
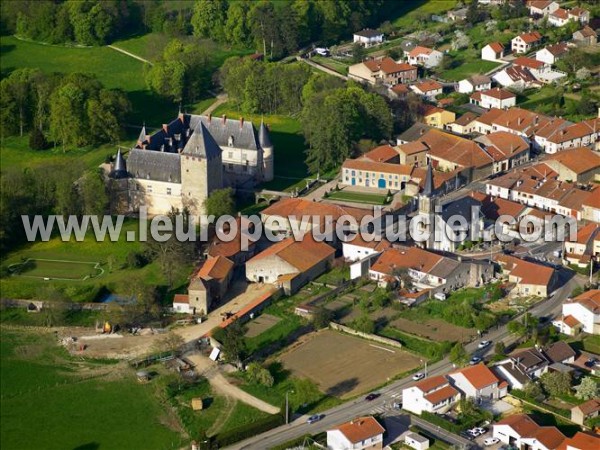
<point x="371" y="337"/>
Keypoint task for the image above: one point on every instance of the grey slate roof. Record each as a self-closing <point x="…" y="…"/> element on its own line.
<point x="263" y="136"/>
<point x="243" y="132"/>
<point x="428" y="188"/>
<point x="154" y="165"/>
<point x="202" y="143"/>
<point x="461" y="207"/>
<point x="444" y="268"/>
<point x="368" y="33"/>
<point x="120" y="168"/>
<point x="414" y="132"/>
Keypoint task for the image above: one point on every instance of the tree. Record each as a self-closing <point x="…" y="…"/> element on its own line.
<point x="586" y="106"/>
<point x="500" y="348"/>
<point x="321" y="317"/>
<point x="533" y="390"/>
<point x="358" y="52"/>
<point x="171" y="255"/>
<point x="37" y="140"/>
<point x="259" y="374"/>
<point x="234" y="346"/>
<point x="587" y="389"/>
<point x="458" y="354"/>
<point x="556" y="383"/>
<point x="92" y="189"/>
<point x="208" y="19"/>
<point x="236" y="26"/>
<point x="106" y="113"/>
<point x="583" y="73"/>
<point x="364" y="324"/>
<point x="170" y="342"/>
<point x="220" y="202"/>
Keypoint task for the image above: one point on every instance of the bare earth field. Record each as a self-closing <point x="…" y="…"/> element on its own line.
<point x="435" y="329"/>
<point x="261" y="324"/>
<point x="344" y="365"/>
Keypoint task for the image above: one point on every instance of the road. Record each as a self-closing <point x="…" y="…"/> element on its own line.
<point x="383" y="404"/>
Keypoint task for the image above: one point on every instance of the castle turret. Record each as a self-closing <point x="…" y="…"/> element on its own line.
<point x="268" y="157"/>
<point x="119" y="169"/>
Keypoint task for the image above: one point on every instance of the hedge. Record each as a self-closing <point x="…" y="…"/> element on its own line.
<point x="246" y="431"/>
<point x="441" y="422"/>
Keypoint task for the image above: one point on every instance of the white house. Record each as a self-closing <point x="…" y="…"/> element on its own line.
<point x="423" y="56"/>
<point x="429" y="89"/>
<point x="552" y="53"/>
<point x="494" y="51"/>
<point x="585" y="309"/>
<point x="368" y="37"/>
<point x="580" y="14"/>
<point x="358" y="434"/>
<point x="559" y="17"/>
<point x="517" y="77"/>
<point x="520" y="431"/>
<point x="542" y="7"/>
<point x="478" y="382"/>
<point x="358" y="248"/>
<point x="433" y="394"/>
<point x="181" y="304"/>
<point x="474" y="84"/>
<point x="494" y="98"/>
<point x="416" y="441"/>
<point x="525" y="42"/>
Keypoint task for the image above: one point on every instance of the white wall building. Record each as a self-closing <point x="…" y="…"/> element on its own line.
<point x="433" y="394"/>
<point x="494" y="51"/>
<point x="358" y="434"/>
<point x="368" y="37"/>
<point x="585" y="308"/>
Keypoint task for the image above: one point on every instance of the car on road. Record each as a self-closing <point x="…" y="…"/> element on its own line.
<point x="418" y="376"/>
<point x="475" y="360"/>
<point x="484" y="344"/>
<point x="315" y="418"/>
<point x="372" y="396"/>
<point x="490" y="441"/>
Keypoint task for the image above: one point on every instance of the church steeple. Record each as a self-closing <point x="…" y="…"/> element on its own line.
<point x="426" y="201"/>
<point x="428" y="188"/>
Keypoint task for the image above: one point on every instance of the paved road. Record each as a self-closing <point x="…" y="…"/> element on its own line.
<point x="382" y="405"/>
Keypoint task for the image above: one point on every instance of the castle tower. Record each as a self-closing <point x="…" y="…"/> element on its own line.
<point x="201" y="169"/>
<point x="268" y="157"/>
<point x="119" y="169"/>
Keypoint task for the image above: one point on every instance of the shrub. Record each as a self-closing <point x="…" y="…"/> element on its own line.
<point x="37" y="140"/>
<point x="252" y="429"/>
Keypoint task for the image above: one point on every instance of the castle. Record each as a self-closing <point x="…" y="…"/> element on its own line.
<point x="182" y="163"/>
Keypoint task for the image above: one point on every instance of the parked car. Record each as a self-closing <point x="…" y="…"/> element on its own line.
<point x="418" y="376"/>
<point x="476" y="432"/>
<point x="484" y="344"/>
<point x="475" y="360"/>
<point x="480" y="430"/>
<point x="467" y="435"/>
<point x="372" y="396"/>
<point x="490" y="441"/>
<point x="315" y="418"/>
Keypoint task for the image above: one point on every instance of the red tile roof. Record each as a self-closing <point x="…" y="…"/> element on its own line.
<point x="527" y="272"/>
<point x="571" y="321"/>
<point x="581" y="441"/>
<point x="215" y="268"/>
<point x="530" y="63"/>
<point x="497" y="47"/>
<point x="590" y="300"/>
<point x="410" y="257"/>
<point x="431" y="383"/>
<point x="529" y="38"/>
<point x="387" y="65"/>
<point x="441" y="394"/>
<point x="383" y="153"/>
<point x="561" y="13"/>
<point x="372" y="166"/>
<point x="181" y="298"/>
<point x="419" y="50"/>
<point x="302" y="255"/>
<point x="428" y="86"/>
<point x="479" y="375"/>
<point x="500" y="94"/>
<point x="361" y="429"/>
<point x="593" y="201"/>
<point x="298" y="207"/>
<point x="579" y="160"/>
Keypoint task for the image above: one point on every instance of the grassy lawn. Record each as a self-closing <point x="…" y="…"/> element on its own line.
<point x="358" y="197"/>
<point x="332" y="64"/>
<point x="468" y="68"/>
<point x="409" y="10"/>
<point x="542" y="100"/>
<point x="288" y="141"/>
<point x="591" y="343"/>
<point x="116" y="281"/>
<point x="48" y="268"/>
<point x="41" y="385"/>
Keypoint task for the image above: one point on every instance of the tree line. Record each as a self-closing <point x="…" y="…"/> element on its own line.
<point x="72" y="110"/>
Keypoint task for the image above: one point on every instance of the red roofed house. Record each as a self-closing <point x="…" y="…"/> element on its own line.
<point x="581" y="441"/>
<point x="525" y="42"/>
<point x="559" y="17"/>
<point x="494" y="98"/>
<point x="585" y="411"/>
<point x="385" y="71"/>
<point x="529" y="278"/>
<point x="290" y="264"/>
<point x="358" y="434"/>
<point x="477" y="382"/>
<point x="542" y="7"/>
<point x="209" y="284"/>
<point x="429" y="89"/>
<point x="585" y="308"/>
<point x="494" y="51"/>
<point x="585" y="247"/>
<point x="585" y="36"/>
<point x="520" y="431"/>
<point x="552" y="53"/>
<point x="437" y="117"/>
<point x="181" y="304"/>
<point x="591" y="206"/>
<point x="423" y="56"/>
<point x="433" y="394"/>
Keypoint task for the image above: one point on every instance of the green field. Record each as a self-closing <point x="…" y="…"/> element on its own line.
<point x="290" y="169"/>
<point x="332" y="64"/>
<point x="116" y="280"/>
<point x="410" y="10"/>
<point x="57" y="269"/>
<point x="467" y="69"/>
<point x="43" y="387"/>
<point x="358" y="197"/>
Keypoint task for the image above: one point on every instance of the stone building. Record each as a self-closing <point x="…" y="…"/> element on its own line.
<point x="182" y="163"/>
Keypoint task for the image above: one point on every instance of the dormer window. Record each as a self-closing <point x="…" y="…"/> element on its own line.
<point x="230" y="141"/>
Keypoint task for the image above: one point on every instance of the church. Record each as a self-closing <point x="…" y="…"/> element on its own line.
<point x="182" y="163"/>
<point x="438" y="221"/>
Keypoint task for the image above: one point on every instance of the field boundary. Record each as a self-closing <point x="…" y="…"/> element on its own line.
<point x="96" y="265"/>
<point x="371" y="337"/>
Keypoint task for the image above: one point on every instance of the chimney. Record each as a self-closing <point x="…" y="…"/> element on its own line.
<point x="241" y="122"/>
<point x="224" y="119"/>
<point x="519" y="120"/>
<point x="165" y="127"/>
<point x="422" y="131"/>
<point x="162" y="148"/>
<point x="209" y="117"/>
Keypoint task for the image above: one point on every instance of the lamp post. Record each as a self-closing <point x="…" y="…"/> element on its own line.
<point x="287" y="407"/>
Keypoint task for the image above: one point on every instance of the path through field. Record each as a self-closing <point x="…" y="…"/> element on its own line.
<point x="125" y="52"/>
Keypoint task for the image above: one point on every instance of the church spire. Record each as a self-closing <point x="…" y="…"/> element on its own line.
<point x="428" y="188"/>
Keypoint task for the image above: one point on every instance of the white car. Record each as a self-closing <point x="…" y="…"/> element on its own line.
<point x="484" y="344"/>
<point x="490" y="441"/>
<point x="418" y="376"/>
